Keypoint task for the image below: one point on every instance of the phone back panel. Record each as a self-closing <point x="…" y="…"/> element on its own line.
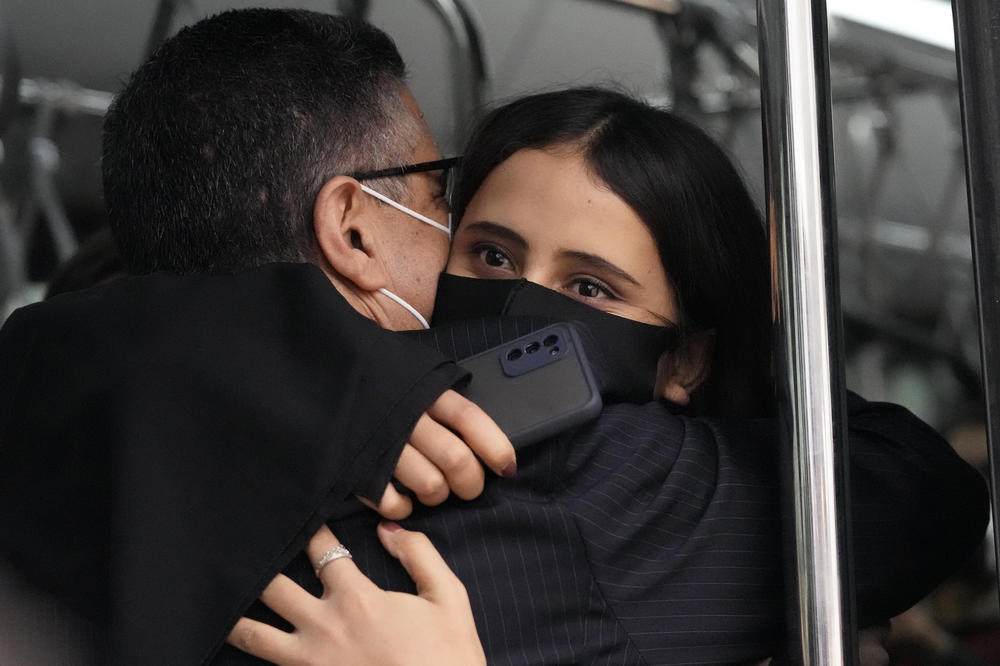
<point x="535" y="386"/>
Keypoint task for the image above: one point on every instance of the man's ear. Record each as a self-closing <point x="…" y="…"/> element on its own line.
<point x="345" y="223"/>
<point x="683" y="370"/>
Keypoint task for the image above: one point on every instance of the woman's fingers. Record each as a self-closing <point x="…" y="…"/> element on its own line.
<point x="421" y="475"/>
<point x="286" y="598"/>
<point x="357" y="623"/>
<point x="393" y="506"/>
<point x="447" y="616"/>
<point x="480" y="432"/>
<point x="450" y="455"/>
<point x="434" y="579"/>
<point x="263" y="641"/>
<point x="441" y="456"/>
<point x="339" y="573"/>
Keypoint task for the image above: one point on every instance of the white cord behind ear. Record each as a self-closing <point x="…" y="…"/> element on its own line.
<point x="409" y="308"/>
<point x="408" y="211"/>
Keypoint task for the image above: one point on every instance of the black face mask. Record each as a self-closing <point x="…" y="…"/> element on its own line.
<point x="624" y="353"/>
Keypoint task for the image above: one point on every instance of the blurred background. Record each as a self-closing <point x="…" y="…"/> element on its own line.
<point x="905" y="260"/>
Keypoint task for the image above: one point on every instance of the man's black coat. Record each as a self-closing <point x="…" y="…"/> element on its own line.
<point x="164" y="441"/>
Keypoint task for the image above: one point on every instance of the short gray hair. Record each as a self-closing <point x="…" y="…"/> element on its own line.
<point x="216" y="149"/>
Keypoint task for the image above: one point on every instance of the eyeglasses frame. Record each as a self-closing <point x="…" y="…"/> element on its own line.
<point x="405" y="170"/>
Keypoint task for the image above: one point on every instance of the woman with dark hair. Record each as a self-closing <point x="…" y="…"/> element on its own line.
<point x="537" y="166"/>
<point x="670" y="514"/>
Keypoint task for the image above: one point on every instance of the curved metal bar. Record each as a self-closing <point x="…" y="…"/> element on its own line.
<point x="43" y="193"/>
<point x="977" y="40"/>
<point x="65" y="96"/>
<point x="12" y="256"/>
<point x="10" y="74"/>
<point x="166" y="10"/>
<point x="800" y="208"/>
<point x="659" y="6"/>
<point x="470" y="80"/>
<point x="13" y="272"/>
<point x="356" y="9"/>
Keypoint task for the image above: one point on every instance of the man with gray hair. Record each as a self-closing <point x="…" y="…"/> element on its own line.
<point x="182" y="432"/>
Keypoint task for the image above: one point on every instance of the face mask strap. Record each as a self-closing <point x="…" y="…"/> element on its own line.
<point x="408" y="211"/>
<point x="409" y="308"/>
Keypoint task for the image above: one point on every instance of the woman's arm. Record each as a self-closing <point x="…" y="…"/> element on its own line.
<point x="356" y="622"/>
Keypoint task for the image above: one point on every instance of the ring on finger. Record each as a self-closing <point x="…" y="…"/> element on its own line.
<point x="334" y="553"/>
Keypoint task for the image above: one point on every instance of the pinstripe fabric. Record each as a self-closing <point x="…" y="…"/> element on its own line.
<point x="650" y="538"/>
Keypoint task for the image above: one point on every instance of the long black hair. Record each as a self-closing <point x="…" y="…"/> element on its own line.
<point x="708" y="231"/>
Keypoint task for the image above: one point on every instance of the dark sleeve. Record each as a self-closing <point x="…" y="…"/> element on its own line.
<point x="683" y="523"/>
<point x="49" y="494"/>
<point x="919" y="511"/>
<point x="219" y="420"/>
<point x="16" y="346"/>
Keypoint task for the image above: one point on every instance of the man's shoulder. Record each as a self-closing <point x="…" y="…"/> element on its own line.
<point x="142" y="305"/>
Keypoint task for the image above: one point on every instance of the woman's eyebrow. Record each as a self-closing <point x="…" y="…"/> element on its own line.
<point x="498" y="230"/>
<point x="598" y="263"/>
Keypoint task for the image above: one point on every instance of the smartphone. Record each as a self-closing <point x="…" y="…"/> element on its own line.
<point x="535" y="386"/>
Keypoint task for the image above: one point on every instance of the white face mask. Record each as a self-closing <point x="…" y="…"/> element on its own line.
<point x="426" y="220"/>
<point x="409" y="211"/>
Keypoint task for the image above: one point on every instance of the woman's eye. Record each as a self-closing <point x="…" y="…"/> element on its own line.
<point x="591" y="289"/>
<point x="493" y="256"/>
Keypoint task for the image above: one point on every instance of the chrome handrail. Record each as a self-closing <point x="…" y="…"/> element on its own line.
<point x="977" y="38"/>
<point x="800" y="210"/>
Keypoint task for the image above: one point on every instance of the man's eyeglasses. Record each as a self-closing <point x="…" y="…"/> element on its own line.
<point x="445" y="166"/>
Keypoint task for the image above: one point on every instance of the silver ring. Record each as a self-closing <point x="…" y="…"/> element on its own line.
<point x="334" y="553"/>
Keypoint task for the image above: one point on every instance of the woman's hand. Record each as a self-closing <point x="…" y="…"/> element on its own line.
<point x="356" y="622"/>
<point x="443" y="455"/>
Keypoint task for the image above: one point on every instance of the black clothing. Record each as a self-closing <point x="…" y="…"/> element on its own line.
<point x="652" y="538"/>
<point x="140" y="422"/>
<point x="168" y="444"/>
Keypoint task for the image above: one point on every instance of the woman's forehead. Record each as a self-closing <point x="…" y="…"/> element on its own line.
<point x="555" y="195"/>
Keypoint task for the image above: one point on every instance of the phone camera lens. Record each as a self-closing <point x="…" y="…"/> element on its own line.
<point x="513" y="354"/>
<point x="550" y="340"/>
<point x="532" y="347"/>
<point x="554" y="351"/>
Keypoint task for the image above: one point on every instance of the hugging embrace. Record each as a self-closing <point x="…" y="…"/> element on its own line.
<point x="277" y="196"/>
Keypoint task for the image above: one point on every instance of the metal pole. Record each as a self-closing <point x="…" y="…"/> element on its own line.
<point x="10" y="74"/>
<point x="468" y="60"/>
<point x="977" y="45"/>
<point x="795" y="95"/>
<point x="13" y="273"/>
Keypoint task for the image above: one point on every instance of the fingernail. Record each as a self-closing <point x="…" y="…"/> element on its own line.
<point x="391" y="525"/>
<point x="510" y="470"/>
